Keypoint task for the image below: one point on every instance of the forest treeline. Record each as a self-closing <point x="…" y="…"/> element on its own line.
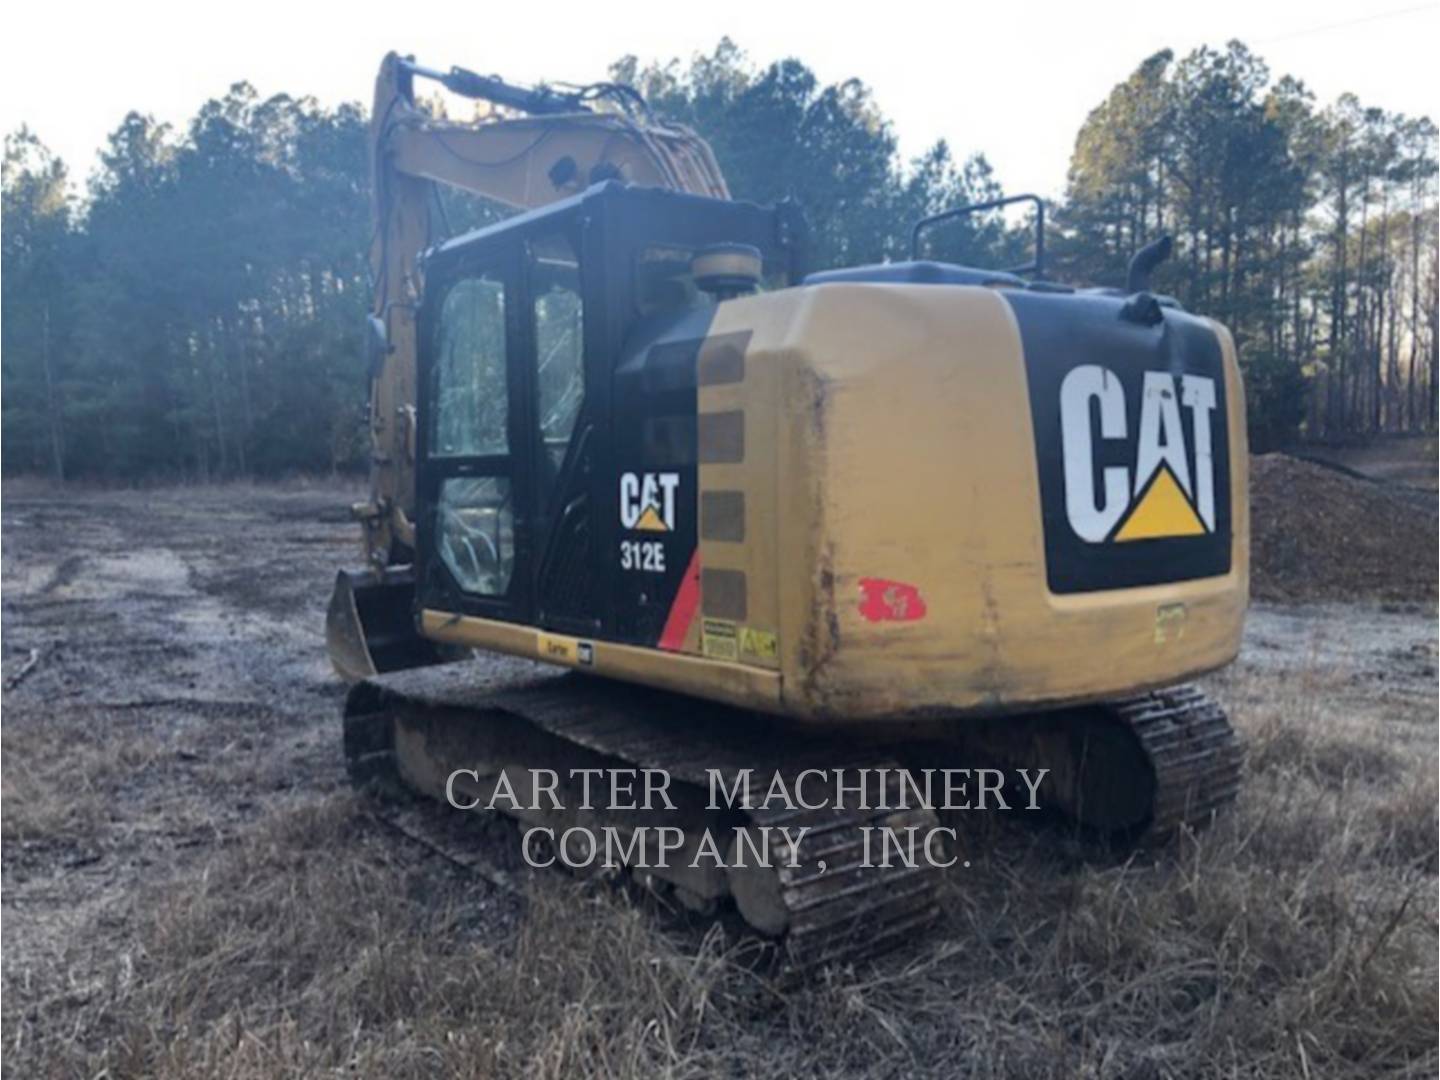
<point x="196" y="309"/>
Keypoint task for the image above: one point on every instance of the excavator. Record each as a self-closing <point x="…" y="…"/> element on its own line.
<point x="707" y="514"/>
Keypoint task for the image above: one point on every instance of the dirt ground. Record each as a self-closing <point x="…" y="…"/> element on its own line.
<point x="189" y="888"/>
<point x="1324" y="533"/>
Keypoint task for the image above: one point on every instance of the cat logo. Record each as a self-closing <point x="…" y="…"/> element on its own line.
<point x="647" y="501"/>
<point x="1170" y="492"/>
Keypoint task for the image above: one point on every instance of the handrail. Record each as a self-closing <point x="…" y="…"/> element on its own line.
<point x="1036" y="266"/>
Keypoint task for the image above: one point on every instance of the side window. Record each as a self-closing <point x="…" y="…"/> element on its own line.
<point x="475" y="515"/>
<point x="471" y="405"/>
<point x="559" y="343"/>
<point x="476" y="533"/>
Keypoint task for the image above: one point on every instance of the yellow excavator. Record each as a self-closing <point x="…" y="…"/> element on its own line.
<point x="863" y="521"/>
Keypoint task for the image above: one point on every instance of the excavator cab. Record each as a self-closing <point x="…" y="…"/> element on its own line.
<point x="525" y="406"/>
<point x="526" y="148"/>
<point x="529" y="378"/>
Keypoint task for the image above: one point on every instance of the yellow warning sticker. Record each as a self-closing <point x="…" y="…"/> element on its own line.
<point x="557" y="649"/>
<point x="760" y="644"/>
<point x="718" y="639"/>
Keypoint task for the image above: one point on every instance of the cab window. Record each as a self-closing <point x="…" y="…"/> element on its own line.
<point x="559" y="343"/>
<point x="471" y="411"/>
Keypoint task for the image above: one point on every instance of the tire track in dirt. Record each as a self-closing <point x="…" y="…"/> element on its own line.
<point x="180" y="691"/>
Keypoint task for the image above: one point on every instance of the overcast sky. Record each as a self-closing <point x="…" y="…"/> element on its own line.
<point x="1012" y="80"/>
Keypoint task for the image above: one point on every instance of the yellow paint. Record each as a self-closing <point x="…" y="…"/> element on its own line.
<point x="734" y="684"/>
<point x="650" y="521"/>
<point x="766" y="404"/>
<point x="1163" y="511"/>
<point x="1169" y="623"/>
<point x="889" y="433"/>
<point x="557" y="649"/>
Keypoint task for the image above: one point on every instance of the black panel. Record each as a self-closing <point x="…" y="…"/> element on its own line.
<point x="1061" y="333"/>
<point x="652" y="339"/>
<point x="655" y="406"/>
<point x="567" y="589"/>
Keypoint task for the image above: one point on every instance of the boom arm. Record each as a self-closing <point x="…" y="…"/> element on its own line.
<point x="522" y="162"/>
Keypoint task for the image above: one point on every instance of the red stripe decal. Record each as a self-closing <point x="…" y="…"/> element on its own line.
<point x="682" y="609"/>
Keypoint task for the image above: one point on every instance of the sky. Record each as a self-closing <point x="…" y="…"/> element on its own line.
<point x="1014" y="81"/>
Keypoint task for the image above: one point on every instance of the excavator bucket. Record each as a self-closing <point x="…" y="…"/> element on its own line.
<point x="370" y="625"/>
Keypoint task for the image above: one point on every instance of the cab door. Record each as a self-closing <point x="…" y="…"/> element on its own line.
<point x="474" y="443"/>
<point x="565" y="369"/>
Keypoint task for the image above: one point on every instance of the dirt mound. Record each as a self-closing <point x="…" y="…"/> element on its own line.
<point x="1320" y="534"/>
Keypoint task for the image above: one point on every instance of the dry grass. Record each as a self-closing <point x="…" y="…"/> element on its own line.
<point x="62" y="776"/>
<point x="1297" y="938"/>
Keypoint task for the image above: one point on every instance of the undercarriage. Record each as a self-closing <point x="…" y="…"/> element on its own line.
<point x="827" y="845"/>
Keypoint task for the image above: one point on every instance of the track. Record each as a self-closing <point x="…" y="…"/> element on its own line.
<point x="1142" y="767"/>
<point x="826" y="903"/>
<point x="1193" y="751"/>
